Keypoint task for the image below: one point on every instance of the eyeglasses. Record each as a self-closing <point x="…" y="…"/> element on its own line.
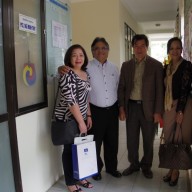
<point x="100" y="48"/>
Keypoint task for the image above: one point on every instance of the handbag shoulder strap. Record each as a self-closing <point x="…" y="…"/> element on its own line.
<point x="162" y="138"/>
<point x="57" y="94"/>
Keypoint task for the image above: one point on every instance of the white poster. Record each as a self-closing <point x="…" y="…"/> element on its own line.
<point x="59" y="35"/>
<point x="27" y="24"/>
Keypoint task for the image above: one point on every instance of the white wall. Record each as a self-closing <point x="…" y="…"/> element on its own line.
<point x="95" y="18"/>
<point x="40" y="161"/>
<point x="125" y="17"/>
<point x="101" y="18"/>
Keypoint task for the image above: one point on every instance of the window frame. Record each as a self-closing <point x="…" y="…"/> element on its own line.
<point x="129" y="33"/>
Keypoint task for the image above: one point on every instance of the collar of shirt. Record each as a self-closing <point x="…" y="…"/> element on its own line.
<point x="142" y="61"/>
<point x="99" y="63"/>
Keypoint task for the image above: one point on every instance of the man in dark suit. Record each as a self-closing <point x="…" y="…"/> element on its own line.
<point x="140" y="96"/>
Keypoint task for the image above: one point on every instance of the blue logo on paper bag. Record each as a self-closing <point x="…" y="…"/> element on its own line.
<point x="86" y="150"/>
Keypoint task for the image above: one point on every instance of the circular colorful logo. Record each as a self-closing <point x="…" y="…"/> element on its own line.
<point x="29" y="74"/>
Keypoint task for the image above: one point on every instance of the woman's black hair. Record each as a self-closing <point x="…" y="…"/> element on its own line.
<point x="67" y="59"/>
<point x="171" y="41"/>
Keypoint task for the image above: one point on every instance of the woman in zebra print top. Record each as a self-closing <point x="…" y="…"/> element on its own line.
<point x="74" y="105"/>
<point x="69" y="97"/>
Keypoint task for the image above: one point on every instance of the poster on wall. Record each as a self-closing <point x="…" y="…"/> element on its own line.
<point x="59" y="35"/>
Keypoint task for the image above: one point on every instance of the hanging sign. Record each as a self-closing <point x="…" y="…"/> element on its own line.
<point x="27" y="24"/>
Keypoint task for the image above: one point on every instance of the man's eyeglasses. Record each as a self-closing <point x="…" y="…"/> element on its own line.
<point x="100" y="48"/>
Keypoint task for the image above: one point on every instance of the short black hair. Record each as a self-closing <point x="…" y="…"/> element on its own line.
<point x="139" y="37"/>
<point x="99" y="39"/>
<point x="67" y="59"/>
<point x="171" y="41"/>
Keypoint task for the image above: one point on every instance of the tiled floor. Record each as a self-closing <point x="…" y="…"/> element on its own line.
<point x="135" y="182"/>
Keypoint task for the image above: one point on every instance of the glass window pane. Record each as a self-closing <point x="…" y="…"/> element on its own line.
<point x="3" y="106"/>
<point x="28" y="52"/>
<point x="6" y="173"/>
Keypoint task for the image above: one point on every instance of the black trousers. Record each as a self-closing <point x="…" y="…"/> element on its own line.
<point x="134" y="122"/>
<point x="106" y="131"/>
<point x="68" y="165"/>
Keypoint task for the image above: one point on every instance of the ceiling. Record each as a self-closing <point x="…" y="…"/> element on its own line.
<point x="149" y="13"/>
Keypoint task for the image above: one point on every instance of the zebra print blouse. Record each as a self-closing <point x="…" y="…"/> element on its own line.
<point x="68" y="96"/>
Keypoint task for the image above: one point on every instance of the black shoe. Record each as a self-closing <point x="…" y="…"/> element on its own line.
<point x="97" y="177"/>
<point x="131" y="169"/>
<point x="147" y="173"/>
<point x="167" y="178"/>
<point x="116" y="173"/>
<point x="173" y="183"/>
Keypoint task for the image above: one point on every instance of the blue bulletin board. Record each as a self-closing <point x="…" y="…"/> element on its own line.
<point x="58" y="30"/>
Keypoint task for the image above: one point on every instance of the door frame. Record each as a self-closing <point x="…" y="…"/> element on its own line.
<point x="9" y="59"/>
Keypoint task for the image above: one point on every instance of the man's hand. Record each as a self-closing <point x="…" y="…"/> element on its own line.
<point x="89" y="123"/>
<point x="157" y="118"/>
<point x="122" y="115"/>
<point x="63" y="69"/>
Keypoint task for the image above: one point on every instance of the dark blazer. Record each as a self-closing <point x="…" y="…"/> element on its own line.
<point x="152" y="87"/>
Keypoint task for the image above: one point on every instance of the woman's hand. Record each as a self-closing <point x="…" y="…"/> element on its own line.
<point x="89" y="122"/>
<point x="82" y="127"/>
<point x="179" y="117"/>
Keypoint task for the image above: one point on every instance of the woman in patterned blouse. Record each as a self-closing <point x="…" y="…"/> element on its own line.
<point x="74" y="105"/>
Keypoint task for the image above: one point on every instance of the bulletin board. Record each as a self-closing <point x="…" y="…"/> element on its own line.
<point x="58" y="27"/>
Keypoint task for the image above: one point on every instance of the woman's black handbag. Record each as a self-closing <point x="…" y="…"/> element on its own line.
<point x="175" y="155"/>
<point x="64" y="132"/>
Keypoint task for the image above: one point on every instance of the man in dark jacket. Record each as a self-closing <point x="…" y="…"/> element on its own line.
<point x="140" y="97"/>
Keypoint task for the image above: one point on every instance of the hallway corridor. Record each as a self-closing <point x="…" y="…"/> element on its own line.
<point x="135" y="182"/>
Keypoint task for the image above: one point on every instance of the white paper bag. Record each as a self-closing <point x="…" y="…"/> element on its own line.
<point x="87" y="138"/>
<point x="84" y="160"/>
